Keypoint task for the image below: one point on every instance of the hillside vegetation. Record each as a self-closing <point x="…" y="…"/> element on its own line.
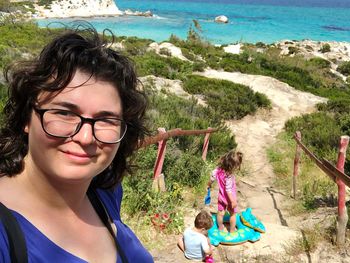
<point x="183" y="167"/>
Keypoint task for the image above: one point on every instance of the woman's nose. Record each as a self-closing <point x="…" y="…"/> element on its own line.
<point x="85" y="135"/>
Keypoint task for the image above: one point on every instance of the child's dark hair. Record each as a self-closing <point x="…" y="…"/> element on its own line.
<point x="203" y="220"/>
<point x="231" y="161"/>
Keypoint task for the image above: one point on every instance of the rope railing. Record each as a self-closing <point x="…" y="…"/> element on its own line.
<point x="313" y="157"/>
<point x="335" y="173"/>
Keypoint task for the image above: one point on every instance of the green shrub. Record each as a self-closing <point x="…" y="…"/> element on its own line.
<point x="292" y="50"/>
<point x="319" y="62"/>
<point x="344" y="68"/>
<point x="230" y="100"/>
<point x="186" y="169"/>
<point x="319" y="131"/>
<point x="315" y="191"/>
<point x="170" y="112"/>
<point x="19" y="35"/>
<point x="168" y="67"/>
<point x="188" y="54"/>
<point x="344" y="121"/>
<point x="339" y="105"/>
<point x="325" y="48"/>
<point x="260" y="44"/>
<point x="4" y="5"/>
<point x="45" y="3"/>
<point x="134" y="46"/>
<point x="199" y="66"/>
<point x="138" y="193"/>
<point x="196" y="45"/>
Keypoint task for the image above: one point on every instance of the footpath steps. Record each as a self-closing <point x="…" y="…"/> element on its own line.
<point x="265" y="202"/>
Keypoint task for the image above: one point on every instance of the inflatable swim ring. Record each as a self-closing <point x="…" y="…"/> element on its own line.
<point x="241" y="235"/>
<point x="249" y="220"/>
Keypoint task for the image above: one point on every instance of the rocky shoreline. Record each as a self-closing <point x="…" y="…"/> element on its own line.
<point x="83" y="8"/>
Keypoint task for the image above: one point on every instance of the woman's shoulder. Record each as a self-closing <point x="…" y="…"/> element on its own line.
<point x="4" y="245"/>
<point x="125" y="236"/>
<point x="112" y="199"/>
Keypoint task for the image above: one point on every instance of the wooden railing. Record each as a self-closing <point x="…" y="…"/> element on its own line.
<point x="335" y="173"/>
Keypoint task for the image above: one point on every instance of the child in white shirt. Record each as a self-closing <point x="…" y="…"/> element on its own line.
<point x="194" y="242"/>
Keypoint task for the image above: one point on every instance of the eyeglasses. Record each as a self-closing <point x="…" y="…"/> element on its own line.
<point x="65" y="124"/>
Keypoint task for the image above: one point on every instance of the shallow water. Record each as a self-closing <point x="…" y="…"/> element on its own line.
<point x="249" y="21"/>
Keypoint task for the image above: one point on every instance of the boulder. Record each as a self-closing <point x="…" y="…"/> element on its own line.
<point x="138" y="13"/>
<point x="221" y="19"/>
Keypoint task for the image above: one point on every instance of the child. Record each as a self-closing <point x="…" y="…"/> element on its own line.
<point x="227" y="187"/>
<point x="194" y="243"/>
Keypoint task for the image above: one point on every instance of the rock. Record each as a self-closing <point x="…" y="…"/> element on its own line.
<point x="129" y="12"/>
<point x="221" y="19"/>
<point x="169" y="47"/>
<point x="148" y="13"/>
<point x="78" y="8"/>
<point x="233" y="49"/>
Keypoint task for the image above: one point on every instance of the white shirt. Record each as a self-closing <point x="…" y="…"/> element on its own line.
<point x="195" y="244"/>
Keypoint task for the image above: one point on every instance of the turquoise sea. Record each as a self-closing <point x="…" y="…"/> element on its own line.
<point x="249" y="20"/>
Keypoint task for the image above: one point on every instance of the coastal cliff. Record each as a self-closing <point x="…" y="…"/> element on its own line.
<point x="78" y="8"/>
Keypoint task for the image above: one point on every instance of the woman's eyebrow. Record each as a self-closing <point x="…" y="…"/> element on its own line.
<point x="107" y="114"/>
<point x="75" y="108"/>
<point x="67" y="105"/>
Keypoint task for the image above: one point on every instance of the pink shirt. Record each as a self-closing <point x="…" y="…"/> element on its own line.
<point x="226" y="183"/>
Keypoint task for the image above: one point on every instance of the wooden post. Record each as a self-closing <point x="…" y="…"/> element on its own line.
<point x="342" y="211"/>
<point x="205" y="146"/>
<point x="296" y="164"/>
<point x="160" y="156"/>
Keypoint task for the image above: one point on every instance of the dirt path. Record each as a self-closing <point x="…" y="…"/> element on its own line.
<point x="253" y="135"/>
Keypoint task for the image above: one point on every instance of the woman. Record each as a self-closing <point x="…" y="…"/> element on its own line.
<point x="72" y="119"/>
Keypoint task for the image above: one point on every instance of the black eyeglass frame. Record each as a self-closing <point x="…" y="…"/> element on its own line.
<point x="83" y="120"/>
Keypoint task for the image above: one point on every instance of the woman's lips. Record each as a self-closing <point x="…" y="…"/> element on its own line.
<point x="77" y="156"/>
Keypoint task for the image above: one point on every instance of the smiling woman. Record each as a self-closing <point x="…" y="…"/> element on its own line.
<point x="73" y="117"/>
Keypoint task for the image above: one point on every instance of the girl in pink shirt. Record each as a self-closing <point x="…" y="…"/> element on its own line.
<point x="227" y="199"/>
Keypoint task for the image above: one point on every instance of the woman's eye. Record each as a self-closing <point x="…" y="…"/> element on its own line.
<point x="64" y="113"/>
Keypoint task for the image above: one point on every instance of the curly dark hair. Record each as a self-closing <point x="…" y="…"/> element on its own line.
<point x="80" y="49"/>
<point x="231" y="161"/>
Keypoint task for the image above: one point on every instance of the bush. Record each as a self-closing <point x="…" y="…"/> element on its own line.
<point x="168" y="67"/>
<point x="292" y="50"/>
<point x="344" y="68"/>
<point x="170" y="112"/>
<point x="186" y="169"/>
<point x="325" y="48"/>
<point x="339" y="106"/>
<point x="344" y="122"/>
<point x="319" y="62"/>
<point x="319" y="131"/>
<point x="4" y="5"/>
<point x="230" y="100"/>
<point x="17" y="36"/>
<point x="134" y="46"/>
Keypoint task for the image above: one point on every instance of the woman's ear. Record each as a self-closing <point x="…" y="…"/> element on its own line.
<point x="26" y="129"/>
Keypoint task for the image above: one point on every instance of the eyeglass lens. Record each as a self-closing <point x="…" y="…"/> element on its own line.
<point x="62" y="123"/>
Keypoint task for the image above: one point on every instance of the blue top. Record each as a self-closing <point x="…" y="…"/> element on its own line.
<point x="41" y="249"/>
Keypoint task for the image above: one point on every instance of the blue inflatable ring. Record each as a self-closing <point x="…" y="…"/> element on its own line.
<point x="241" y="235"/>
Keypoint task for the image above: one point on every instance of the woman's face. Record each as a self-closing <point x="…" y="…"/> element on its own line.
<point x="81" y="157"/>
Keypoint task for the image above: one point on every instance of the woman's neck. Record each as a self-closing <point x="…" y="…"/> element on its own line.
<point x="49" y="192"/>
